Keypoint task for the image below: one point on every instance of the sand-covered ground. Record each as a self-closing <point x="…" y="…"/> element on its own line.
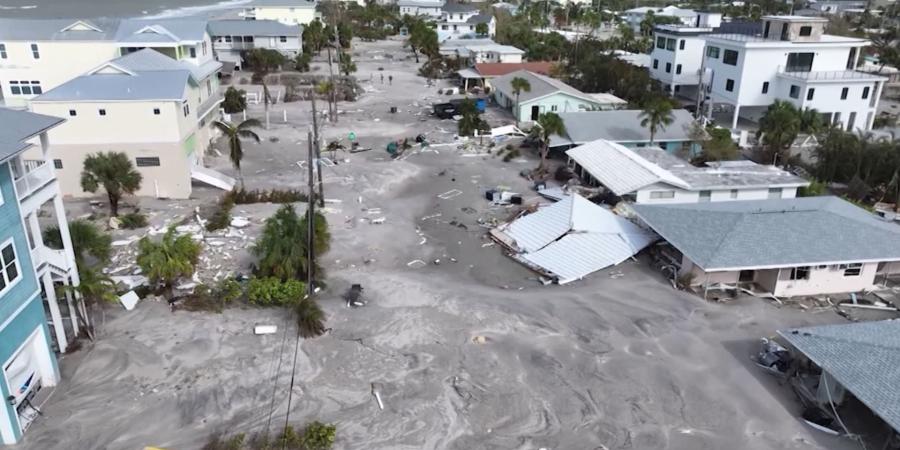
<point x="619" y="360"/>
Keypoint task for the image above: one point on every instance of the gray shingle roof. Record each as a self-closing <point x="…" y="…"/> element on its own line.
<point x="622" y="125"/>
<point x="755" y="234"/>
<point x="20" y="126"/>
<point x="459" y="7"/>
<point x="541" y="86"/>
<point x="864" y="357"/>
<point x="165" y="30"/>
<point x="252" y="28"/>
<point x="480" y="18"/>
<point x="149" y="60"/>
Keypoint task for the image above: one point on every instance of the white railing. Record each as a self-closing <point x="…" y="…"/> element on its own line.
<point x="37" y="175"/>
<point x="42" y="255"/>
<point x="825" y="75"/>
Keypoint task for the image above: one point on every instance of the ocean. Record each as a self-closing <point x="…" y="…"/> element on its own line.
<point x="85" y="9"/>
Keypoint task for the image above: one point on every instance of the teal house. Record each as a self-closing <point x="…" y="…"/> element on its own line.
<point x="27" y="356"/>
<point x="545" y="95"/>
<point x="624" y="127"/>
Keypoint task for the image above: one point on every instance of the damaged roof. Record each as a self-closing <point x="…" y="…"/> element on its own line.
<point x="573" y="238"/>
<point x="864" y="357"/>
<point x="622" y="125"/>
<point x="775" y="233"/>
<point x="620" y="169"/>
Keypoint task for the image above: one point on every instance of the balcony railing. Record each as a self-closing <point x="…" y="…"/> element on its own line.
<point x="234" y="45"/>
<point x="826" y="75"/>
<point x="37" y="174"/>
<point x="45" y="257"/>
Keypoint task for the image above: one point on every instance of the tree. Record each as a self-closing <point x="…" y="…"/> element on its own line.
<point x="656" y="116"/>
<point x="423" y="39"/>
<point x="470" y="121"/>
<point x="719" y="147"/>
<point x="301" y="62"/>
<point x="346" y="64"/>
<point x="345" y="34"/>
<point x="548" y="124"/>
<point x="482" y="29"/>
<point x="114" y="172"/>
<point x="87" y="241"/>
<point x="235" y="101"/>
<point x="519" y="85"/>
<point x="314" y="37"/>
<point x="281" y="249"/>
<point x="310" y="318"/>
<point x="778" y="128"/>
<point x="173" y="257"/>
<point x="234" y="133"/>
<point x="886" y="46"/>
<point x="94" y="287"/>
<point x="264" y="61"/>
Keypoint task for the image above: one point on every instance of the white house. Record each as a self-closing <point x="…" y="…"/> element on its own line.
<point x="425" y="8"/>
<point x="233" y="37"/>
<point x="155" y="109"/>
<point x="480" y="51"/>
<point x="290" y="12"/>
<point x="785" y="247"/>
<point x="623" y="126"/>
<point x="633" y="17"/>
<point x="460" y="20"/>
<point x="39" y="55"/>
<point x="652" y="175"/>
<point x="793" y="60"/>
<point x="546" y="95"/>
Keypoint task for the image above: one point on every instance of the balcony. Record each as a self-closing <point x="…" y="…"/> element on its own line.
<point x="37" y="175"/>
<point x="233" y="45"/>
<point x="45" y="258"/>
<point x="796" y="73"/>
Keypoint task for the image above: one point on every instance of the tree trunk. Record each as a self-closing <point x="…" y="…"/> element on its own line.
<point x="240" y="176"/>
<point x="516" y="112"/>
<point x="113" y="204"/>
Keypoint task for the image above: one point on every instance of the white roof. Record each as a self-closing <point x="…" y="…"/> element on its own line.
<point x="620" y="169"/>
<point x="574" y="238"/>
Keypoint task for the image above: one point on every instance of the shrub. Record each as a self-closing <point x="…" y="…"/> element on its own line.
<point x="235" y="101"/>
<point x="133" y="220"/>
<point x="274" y="292"/>
<point x="221" y="217"/>
<point x="318" y="436"/>
<point x="229" y="290"/>
<point x="815" y="188"/>
<point x="202" y="299"/>
<point x="243" y="197"/>
<point x="216" y="442"/>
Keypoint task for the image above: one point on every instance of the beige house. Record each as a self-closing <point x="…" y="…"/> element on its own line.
<point x="155" y="109"/>
<point x="786" y="247"/>
<point x="288" y="12"/>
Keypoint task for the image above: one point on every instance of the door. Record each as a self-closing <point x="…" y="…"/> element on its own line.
<point x="535" y="112"/>
<point x="746" y="276"/>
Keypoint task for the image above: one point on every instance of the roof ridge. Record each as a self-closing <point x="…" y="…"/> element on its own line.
<point x="845" y="340"/>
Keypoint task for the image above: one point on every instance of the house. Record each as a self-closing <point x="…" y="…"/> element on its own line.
<point x="426" y="8"/>
<point x="233" y="37"/>
<point x="288" y="12"/>
<point x="859" y="359"/>
<point x="633" y="17"/>
<point x="459" y="21"/>
<point x="29" y="273"/>
<point x="652" y="175"/>
<point x="157" y="110"/>
<point x="490" y="53"/>
<point x="571" y="239"/>
<point x="546" y="95"/>
<point x="785" y="247"/>
<point x="794" y="61"/>
<point x="624" y="127"/>
<point x="481" y="74"/>
<point x="41" y="54"/>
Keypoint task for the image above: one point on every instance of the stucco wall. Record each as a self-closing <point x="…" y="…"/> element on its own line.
<point x="724" y="195"/>
<point x="828" y="280"/>
<point x="288" y="16"/>
<point x="124" y="122"/>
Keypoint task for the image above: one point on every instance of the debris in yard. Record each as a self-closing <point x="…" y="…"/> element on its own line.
<point x="479" y="340"/>
<point x="265" y="329"/>
<point x="130" y="281"/>
<point x="450" y="194"/>
<point x="433" y="216"/>
<point x="129" y="300"/>
<point x="353" y="296"/>
<point x="416" y="263"/>
<point x="377" y="221"/>
<point x="487" y="244"/>
<point x="240" y="222"/>
<point x="114" y="223"/>
<point x="376" y="391"/>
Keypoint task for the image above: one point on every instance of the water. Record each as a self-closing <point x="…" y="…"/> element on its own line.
<point x="48" y="9"/>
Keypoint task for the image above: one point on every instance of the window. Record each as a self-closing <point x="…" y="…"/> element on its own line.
<point x="661" y="42"/>
<point x="734" y="193"/>
<point x="670" y="44"/>
<point x="553" y="108"/>
<point x="851" y="121"/>
<point x="865" y="93"/>
<point x="204" y="48"/>
<point x="799" y="273"/>
<point x="35" y="53"/>
<point x="57" y="164"/>
<point x="765" y="89"/>
<point x="678" y="69"/>
<point x="837" y="117"/>
<point x="705" y="196"/>
<point x="851" y="270"/>
<point x="185" y="108"/>
<point x="810" y="93"/>
<point x="851" y="58"/>
<point x="2" y="51"/>
<point x="193" y="51"/>
<point x="228" y="39"/>
<point x="9" y="265"/>
<point x="102" y="112"/>
<point x="656" y="64"/>
<point x="799" y="62"/>
<point x="712" y="52"/>
<point x="730" y="57"/>
<point x="766" y="30"/>
<point x="444" y="27"/>
<point x="209" y="88"/>
<point x="784" y="31"/>
<point x="795" y="91"/>
<point x="73" y="113"/>
<point x="282" y="38"/>
<point x="155" y="111"/>
<point x="681" y="44"/>
<point x="844" y="93"/>
<point x="662" y="194"/>
<point x="806" y="31"/>
<point x="25" y="87"/>
<point x="774" y="192"/>
<point x="147" y="161"/>
<point x="729" y="85"/>
<point x="668" y="67"/>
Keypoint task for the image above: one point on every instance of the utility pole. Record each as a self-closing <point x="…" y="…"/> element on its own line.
<point x="312" y="98"/>
<point x="310" y="220"/>
<point x="337" y="50"/>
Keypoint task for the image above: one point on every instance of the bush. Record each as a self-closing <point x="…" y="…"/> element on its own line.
<point x="234" y="100"/>
<point x="133" y="220"/>
<point x="229" y="290"/>
<point x="221" y="217"/>
<point x="274" y="292"/>
<point x="318" y="436"/>
<point x="243" y="197"/>
<point x="815" y="188"/>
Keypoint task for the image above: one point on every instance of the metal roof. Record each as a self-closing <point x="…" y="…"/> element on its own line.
<point x="776" y="233"/>
<point x="623" y="125"/>
<point x="500" y="69"/>
<point x="113" y="30"/>
<point x="619" y="168"/>
<point x="149" y="60"/>
<point x="282" y="4"/>
<point x="480" y="18"/>
<point x="238" y="27"/>
<point x="165" y="30"/>
<point x="541" y="86"/>
<point x="574" y="237"/>
<point x="452" y="7"/>
<point x="864" y="357"/>
<point x="20" y="126"/>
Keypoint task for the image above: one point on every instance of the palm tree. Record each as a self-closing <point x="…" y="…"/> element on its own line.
<point x="175" y="256"/>
<point x="234" y="133"/>
<point x="281" y="249"/>
<point x="779" y="127"/>
<point x="113" y="171"/>
<point x="310" y="318"/>
<point x="656" y="116"/>
<point x="519" y="85"/>
<point x="548" y="124"/>
<point x="87" y="241"/>
<point x="94" y="287"/>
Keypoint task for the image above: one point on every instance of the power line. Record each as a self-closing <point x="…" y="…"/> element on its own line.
<point x="275" y="377"/>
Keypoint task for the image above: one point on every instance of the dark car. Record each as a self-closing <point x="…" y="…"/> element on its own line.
<point x="445" y="110"/>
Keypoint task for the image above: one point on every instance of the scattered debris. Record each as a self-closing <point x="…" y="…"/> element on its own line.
<point x="240" y="222"/>
<point x="479" y="340"/>
<point x="129" y="300"/>
<point x="416" y="263"/>
<point x="265" y="329"/>
<point x="376" y="391"/>
<point x="450" y="194"/>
